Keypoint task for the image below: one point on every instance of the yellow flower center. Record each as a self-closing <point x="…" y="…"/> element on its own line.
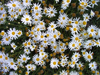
<point x="38" y="29"/>
<point x="89" y="56"/>
<point x="13" y="33"/>
<point x="45" y="41"/>
<point x="84" y="23"/>
<point x="0" y="56"/>
<point x="93" y="2"/>
<point x="12" y="63"/>
<point x="76" y="22"/>
<point x="54" y="36"/>
<point x="19" y="33"/>
<point x="82" y="3"/>
<point x="54" y="63"/>
<point x="2" y="33"/>
<point x="75" y="29"/>
<point x="27" y="19"/>
<point x="1" y="8"/>
<point x="76" y="38"/>
<point x="92" y="30"/>
<point x="14" y="5"/>
<point x="63" y="18"/>
<point x="24" y="58"/>
<point x="73" y="45"/>
<point x="6" y="58"/>
<point x="7" y="39"/>
<point x="79" y="65"/>
<point x="37" y="14"/>
<point x="37" y="59"/>
<point x="19" y="10"/>
<point x="36" y="8"/>
<point x="29" y="43"/>
<point x="26" y="1"/>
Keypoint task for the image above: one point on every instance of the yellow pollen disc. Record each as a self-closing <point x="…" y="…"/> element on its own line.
<point x="25" y="44"/>
<point x="61" y="10"/>
<point x="68" y="1"/>
<point x="2" y="33"/>
<point x="7" y="39"/>
<point x="75" y="55"/>
<point x="55" y="47"/>
<point x="24" y="58"/>
<point x="14" y="5"/>
<point x="51" y="12"/>
<point x="12" y="63"/>
<point x="76" y="22"/>
<point x="62" y="50"/>
<point x="92" y="30"/>
<point x="82" y="3"/>
<point x="27" y="19"/>
<point x="38" y="29"/>
<point x="75" y="29"/>
<point x="1" y="8"/>
<point x="76" y="38"/>
<point x="41" y="23"/>
<point x="37" y="59"/>
<point x="13" y="33"/>
<point x="92" y="65"/>
<point x="5" y="67"/>
<point x="19" y="10"/>
<point x="52" y="26"/>
<point x="73" y="45"/>
<point x="83" y="53"/>
<point x="29" y="43"/>
<point x="0" y="56"/>
<point x="54" y="63"/>
<point x="1" y="19"/>
<point x="37" y="14"/>
<point x="93" y="2"/>
<point x="6" y="58"/>
<point x="89" y="56"/>
<point x="45" y="41"/>
<point x="36" y="8"/>
<point x="73" y="62"/>
<point x="19" y="33"/>
<point x="42" y="36"/>
<point x="54" y="36"/>
<point x="84" y="23"/>
<point x="63" y="18"/>
<point x="79" y="65"/>
<point x="26" y="1"/>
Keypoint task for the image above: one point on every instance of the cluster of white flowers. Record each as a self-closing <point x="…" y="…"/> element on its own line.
<point x="45" y="34"/>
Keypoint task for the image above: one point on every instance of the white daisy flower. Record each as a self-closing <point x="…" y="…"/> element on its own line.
<point x="88" y="56"/>
<point x="79" y="65"/>
<point x="54" y="63"/>
<point x="92" y="13"/>
<point x="27" y="3"/>
<point x="12" y="73"/>
<point x="26" y="19"/>
<point x="24" y="58"/>
<point x="36" y="7"/>
<point x="13" y="45"/>
<point x="63" y="72"/>
<point x="12" y="33"/>
<point x="51" y="12"/>
<point x="36" y="59"/>
<point x="5" y="67"/>
<point x="93" y="66"/>
<point x="6" y="40"/>
<point x="27" y="51"/>
<point x="73" y="73"/>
